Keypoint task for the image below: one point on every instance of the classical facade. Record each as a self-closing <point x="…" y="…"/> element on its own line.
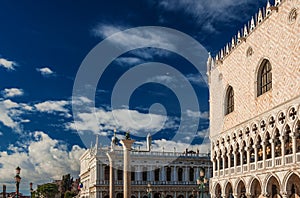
<point x="163" y="174"/>
<point x="255" y="107"/>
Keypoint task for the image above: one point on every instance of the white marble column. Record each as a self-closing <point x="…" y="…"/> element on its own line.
<point x="294" y="147"/>
<point x="111" y="156"/>
<point x="127" y="177"/>
<point x="264" y="154"/>
<point x="273" y="152"/>
<point x="282" y="150"/>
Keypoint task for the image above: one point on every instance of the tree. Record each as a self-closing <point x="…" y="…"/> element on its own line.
<point x="47" y="190"/>
<point x="69" y="194"/>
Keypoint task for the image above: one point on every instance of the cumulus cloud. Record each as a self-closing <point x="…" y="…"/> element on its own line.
<point x="171" y="146"/>
<point x="45" y="71"/>
<point x="8" y="113"/>
<point x="9" y="65"/>
<point x="138" y="123"/>
<point x="12" y="92"/>
<point x="43" y="159"/>
<point x="53" y="107"/>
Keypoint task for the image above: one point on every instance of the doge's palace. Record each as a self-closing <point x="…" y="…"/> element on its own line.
<point x="254" y="107"/>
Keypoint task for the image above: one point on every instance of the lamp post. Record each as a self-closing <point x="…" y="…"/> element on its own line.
<point x="18" y="180"/>
<point x="31" y="189"/>
<point x="194" y="193"/>
<point x="149" y="190"/>
<point x="201" y="182"/>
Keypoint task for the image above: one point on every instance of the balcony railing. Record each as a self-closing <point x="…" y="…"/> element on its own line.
<point x="298" y="157"/>
<point x="269" y="163"/>
<point x="252" y="166"/>
<point x="288" y="159"/>
<point x="259" y="165"/>
<point x="278" y="161"/>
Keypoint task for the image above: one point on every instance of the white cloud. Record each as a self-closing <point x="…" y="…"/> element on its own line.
<point x="53" y="106"/>
<point x="128" y="61"/>
<point x="197" y="114"/>
<point x="139" y="124"/>
<point x="45" y="71"/>
<point x="7" y="109"/>
<point x="162" y="79"/>
<point x="169" y="145"/>
<point x="136" y="38"/>
<point x="45" y="159"/>
<point x="205" y="13"/>
<point x="12" y="92"/>
<point x="9" y="65"/>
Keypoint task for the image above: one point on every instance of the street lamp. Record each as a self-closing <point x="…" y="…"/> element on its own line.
<point x="18" y="180"/>
<point x="31" y="189"/>
<point x="201" y="182"/>
<point x="149" y="190"/>
<point x="194" y="193"/>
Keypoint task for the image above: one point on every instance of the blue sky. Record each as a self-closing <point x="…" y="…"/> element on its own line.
<point x="42" y="45"/>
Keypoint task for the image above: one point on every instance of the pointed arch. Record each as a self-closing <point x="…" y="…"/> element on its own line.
<point x="291" y="184"/>
<point x="268" y="152"/>
<point x="240" y="188"/>
<point x="297" y="135"/>
<point x="228" y="190"/>
<point x="273" y="187"/>
<point x="218" y="191"/>
<point x="229" y="100"/>
<point x="255" y="187"/>
<point x="264" y="77"/>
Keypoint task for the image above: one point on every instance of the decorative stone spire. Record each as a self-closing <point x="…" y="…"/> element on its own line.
<point x="232" y="43"/>
<point x="268" y="8"/>
<point x="252" y="24"/>
<point x="227" y="49"/>
<point x="245" y="31"/>
<point x="259" y="17"/>
<point x="238" y="37"/>
<point x="222" y="54"/>
<point x="208" y="65"/>
<point x="217" y="57"/>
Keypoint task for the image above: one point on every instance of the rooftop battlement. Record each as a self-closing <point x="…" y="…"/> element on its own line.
<point x="242" y="35"/>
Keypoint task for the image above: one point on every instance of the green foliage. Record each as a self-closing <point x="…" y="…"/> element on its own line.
<point x="69" y="194"/>
<point x="47" y="190"/>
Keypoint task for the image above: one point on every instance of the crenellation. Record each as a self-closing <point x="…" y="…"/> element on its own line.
<point x="250" y="27"/>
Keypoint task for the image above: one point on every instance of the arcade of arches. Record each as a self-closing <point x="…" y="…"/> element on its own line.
<point x="270" y="186"/>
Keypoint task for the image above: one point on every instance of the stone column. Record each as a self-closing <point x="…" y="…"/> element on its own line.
<point x="248" y="159"/>
<point x="282" y="150"/>
<point x="111" y="156"/>
<point x="229" y="163"/>
<point x="273" y="152"/>
<point x="234" y="160"/>
<point x="127" y="177"/>
<point x="214" y="169"/>
<point x="223" y="159"/>
<point x="264" y="154"/>
<point x="294" y="147"/>
<point x="255" y="156"/>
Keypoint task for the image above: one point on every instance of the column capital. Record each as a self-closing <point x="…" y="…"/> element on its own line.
<point x="127" y="144"/>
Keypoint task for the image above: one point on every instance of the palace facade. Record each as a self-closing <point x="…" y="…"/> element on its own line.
<point x="255" y="107"/>
<point x="162" y="174"/>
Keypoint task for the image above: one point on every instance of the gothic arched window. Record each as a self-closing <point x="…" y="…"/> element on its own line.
<point x="264" y="77"/>
<point x="229" y="102"/>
